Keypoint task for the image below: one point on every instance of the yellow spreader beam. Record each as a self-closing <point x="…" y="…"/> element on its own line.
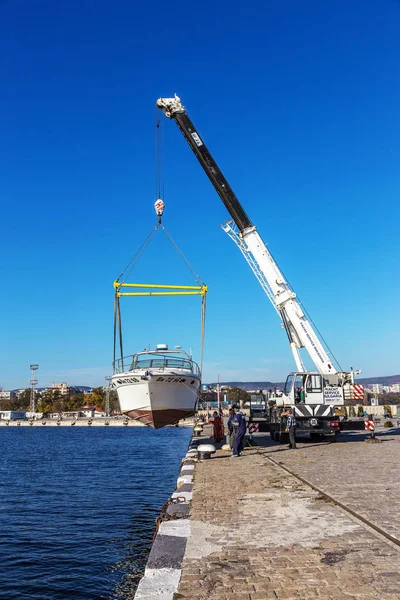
<point x="196" y="290"/>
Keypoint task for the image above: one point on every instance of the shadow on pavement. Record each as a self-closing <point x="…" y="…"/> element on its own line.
<point x="263" y="444"/>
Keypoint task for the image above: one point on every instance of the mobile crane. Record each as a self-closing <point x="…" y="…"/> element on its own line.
<point x="313" y="395"/>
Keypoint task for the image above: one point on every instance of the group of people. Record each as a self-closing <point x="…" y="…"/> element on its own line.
<point x="237" y="428"/>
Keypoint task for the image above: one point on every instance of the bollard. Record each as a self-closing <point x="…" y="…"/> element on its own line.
<point x="197" y="431"/>
<point x="204" y="451"/>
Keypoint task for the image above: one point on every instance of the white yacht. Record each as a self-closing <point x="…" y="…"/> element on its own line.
<point x="157" y="387"/>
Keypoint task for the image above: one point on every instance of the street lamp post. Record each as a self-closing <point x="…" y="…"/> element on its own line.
<point x="33" y="383"/>
<point x="107" y="405"/>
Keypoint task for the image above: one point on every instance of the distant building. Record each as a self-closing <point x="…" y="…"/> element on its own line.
<point x="59" y="387"/>
<point x="12" y="414"/>
<point x="63" y="388"/>
<point x="377" y="388"/>
<point x="91" y="411"/>
<point x="65" y="415"/>
<point x="7" y="395"/>
<point x="86" y="412"/>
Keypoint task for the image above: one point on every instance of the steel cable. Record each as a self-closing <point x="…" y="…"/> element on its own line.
<point x="134" y="260"/>
<point x="196" y="277"/>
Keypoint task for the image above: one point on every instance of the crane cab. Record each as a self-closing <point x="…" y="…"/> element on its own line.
<point x="310" y="388"/>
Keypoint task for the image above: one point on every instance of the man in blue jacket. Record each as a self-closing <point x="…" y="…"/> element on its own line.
<point x="239" y="424"/>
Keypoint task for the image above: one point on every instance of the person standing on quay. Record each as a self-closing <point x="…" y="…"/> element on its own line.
<point x="217" y="430"/>
<point x="291" y="426"/>
<point x="231" y="430"/>
<point x="239" y="424"/>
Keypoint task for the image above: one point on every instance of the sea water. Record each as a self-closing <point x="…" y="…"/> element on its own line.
<point x="78" y="505"/>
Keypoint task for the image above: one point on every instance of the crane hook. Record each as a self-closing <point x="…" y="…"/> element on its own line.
<point x="159" y="206"/>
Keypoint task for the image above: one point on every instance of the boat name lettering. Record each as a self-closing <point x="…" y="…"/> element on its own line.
<point x="170" y="379"/>
<point x="127" y="380"/>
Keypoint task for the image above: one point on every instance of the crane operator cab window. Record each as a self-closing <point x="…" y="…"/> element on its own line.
<point x="307" y="387"/>
<point x="314" y="384"/>
<point x="313" y="389"/>
<point x="299" y="388"/>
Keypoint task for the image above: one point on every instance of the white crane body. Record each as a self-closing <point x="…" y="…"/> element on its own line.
<point x="320" y="390"/>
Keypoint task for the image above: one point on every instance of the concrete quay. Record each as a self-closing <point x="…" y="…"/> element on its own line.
<point x="82" y="422"/>
<point x="257" y="532"/>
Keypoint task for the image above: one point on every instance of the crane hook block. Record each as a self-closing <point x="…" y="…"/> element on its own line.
<point x="159" y="206"/>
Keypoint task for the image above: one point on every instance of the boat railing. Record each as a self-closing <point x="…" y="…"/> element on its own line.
<point x="161" y="363"/>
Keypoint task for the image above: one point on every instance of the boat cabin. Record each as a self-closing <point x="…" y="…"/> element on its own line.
<point x="164" y="360"/>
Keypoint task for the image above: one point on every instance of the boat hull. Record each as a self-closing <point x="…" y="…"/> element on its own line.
<point x="157" y="400"/>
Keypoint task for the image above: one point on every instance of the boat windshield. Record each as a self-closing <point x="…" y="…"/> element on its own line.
<point x="161" y="362"/>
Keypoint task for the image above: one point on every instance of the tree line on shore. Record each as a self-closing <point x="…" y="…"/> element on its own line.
<point x="387" y="397"/>
<point x="53" y="401"/>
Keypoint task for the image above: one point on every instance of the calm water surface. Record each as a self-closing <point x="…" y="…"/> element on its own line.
<point x="77" y="507"/>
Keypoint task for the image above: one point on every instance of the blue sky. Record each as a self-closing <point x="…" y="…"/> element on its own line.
<point x="299" y="104"/>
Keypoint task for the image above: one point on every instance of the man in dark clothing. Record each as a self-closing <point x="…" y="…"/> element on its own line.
<point x="239" y="424"/>
<point x="291" y="426"/>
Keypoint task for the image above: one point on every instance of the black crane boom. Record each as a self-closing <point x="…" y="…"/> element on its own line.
<point x="206" y="160"/>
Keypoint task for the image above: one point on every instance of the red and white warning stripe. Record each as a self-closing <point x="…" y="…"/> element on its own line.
<point x="369" y="426"/>
<point x="254" y="428"/>
<point x="358" y="391"/>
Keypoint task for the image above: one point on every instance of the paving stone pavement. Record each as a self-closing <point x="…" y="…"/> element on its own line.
<point x="361" y="475"/>
<point x="258" y="533"/>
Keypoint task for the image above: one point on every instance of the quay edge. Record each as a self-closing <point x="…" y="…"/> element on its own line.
<point x="163" y="569"/>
